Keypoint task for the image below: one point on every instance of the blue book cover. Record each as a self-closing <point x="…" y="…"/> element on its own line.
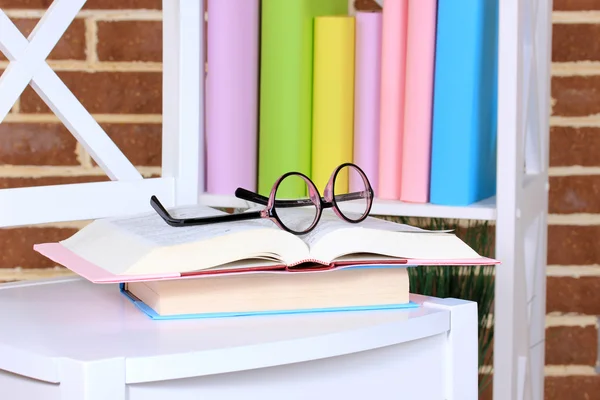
<point x="463" y="148"/>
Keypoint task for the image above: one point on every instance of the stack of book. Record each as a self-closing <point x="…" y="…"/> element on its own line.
<point x="407" y="92"/>
<point x="253" y="267"/>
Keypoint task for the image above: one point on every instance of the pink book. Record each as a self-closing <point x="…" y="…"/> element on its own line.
<point x="420" y="58"/>
<point x="232" y="95"/>
<point x="157" y="245"/>
<point x="393" y="58"/>
<point x="93" y="273"/>
<point x="367" y="97"/>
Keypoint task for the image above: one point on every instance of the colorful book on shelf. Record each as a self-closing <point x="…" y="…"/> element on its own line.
<point x="416" y="136"/>
<point x="333" y="98"/>
<point x="463" y="158"/>
<point x="367" y="97"/>
<point x="348" y="289"/>
<point x="232" y="95"/>
<point x="286" y="82"/>
<point x="143" y="247"/>
<point x="393" y="67"/>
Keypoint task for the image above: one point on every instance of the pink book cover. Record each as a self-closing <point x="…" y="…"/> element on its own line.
<point x="420" y="60"/>
<point x="367" y="97"/>
<point x="231" y="100"/>
<point x="65" y="257"/>
<point x="393" y="59"/>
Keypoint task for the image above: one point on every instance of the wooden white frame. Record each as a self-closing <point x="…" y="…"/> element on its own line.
<point x="519" y="209"/>
<point x="127" y="192"/>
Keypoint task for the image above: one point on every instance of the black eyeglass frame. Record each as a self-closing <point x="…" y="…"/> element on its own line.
<point x="328" y="200"/>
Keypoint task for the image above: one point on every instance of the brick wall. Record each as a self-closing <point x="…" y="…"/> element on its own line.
<point x="573" y="275"/>
<point x="111" y="59"/>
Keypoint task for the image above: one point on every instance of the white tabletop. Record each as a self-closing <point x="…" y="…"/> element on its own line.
<point x="45" y="321"/>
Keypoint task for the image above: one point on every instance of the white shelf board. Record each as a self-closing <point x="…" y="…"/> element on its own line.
<point x="482" y="210"/>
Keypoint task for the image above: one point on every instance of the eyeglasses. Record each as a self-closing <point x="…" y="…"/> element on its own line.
<point x="299" y="214"/>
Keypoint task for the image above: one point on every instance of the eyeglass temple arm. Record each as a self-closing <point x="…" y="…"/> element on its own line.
<point x="247" y="195"/>
<point x="170" y="220"/>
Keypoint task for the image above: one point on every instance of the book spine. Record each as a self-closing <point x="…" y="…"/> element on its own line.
<point x="463" y="164"/>
<point x="416" y="139"/>
<point x="393" y="59"/>
<point x="286" y="81"/>
<point x="367" y="97"/>
<point x="232" y="95"/>
<point x="333" y="98"/>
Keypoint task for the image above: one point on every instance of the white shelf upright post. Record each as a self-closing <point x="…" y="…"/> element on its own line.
<point x="183" y="98"/>
<point x="523" y="129"/>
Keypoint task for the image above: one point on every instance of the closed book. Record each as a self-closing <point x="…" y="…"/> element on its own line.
<point x="463" y="157"/>
<point x="393" y="74"/>
<point x="286" y="82"/>
<point x="348" y="289"/>
<point x="416" y="138"/>
<point x="333" y="99"/>
<point x="232" y="95"/>
<point x="367" y="92"/>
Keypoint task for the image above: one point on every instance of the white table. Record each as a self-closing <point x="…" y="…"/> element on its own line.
<point x="70" y="339"/>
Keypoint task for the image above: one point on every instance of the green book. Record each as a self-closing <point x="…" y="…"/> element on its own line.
<point x="286" y="80"/>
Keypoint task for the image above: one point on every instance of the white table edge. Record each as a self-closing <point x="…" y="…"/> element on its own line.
<point x="203" y="363"/>
<point x="435" y="321"/>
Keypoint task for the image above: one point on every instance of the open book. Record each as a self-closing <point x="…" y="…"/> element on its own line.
<point x="144" y="247"/>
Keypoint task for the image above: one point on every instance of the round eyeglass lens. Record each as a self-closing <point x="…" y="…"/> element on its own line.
<point x="351" y="194"/>
<point x="294" y="206"/>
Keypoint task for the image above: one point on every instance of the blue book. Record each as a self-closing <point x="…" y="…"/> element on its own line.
<point x="210" y="296"/>
<point x="463" y="148"/>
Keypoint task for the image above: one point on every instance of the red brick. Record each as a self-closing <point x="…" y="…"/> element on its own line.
<point x="48" y="181"/>
<point x="573" y="245"/>
<point x="91" y="4"/>
<point x="571" y="345"/>
<point x="26" y="4"/>
<point x="576" y="95"/>
<point x="71" y="45"/>
<point x="573" y="295"/>
<point x="574" y="194"/>
<point x="124" y="4"/>
<point x="107" y="92"/>
<point x="574" y="5"/>
<point x="570" y="42"/>
<point x="574" y="146"/>
<point x="17" y="246"/>
<point x="141" y="144"/>
<point x="366" y="5"/>
<point x="571" y="387"/>
<point x="130" y="41"/>
<point x="36" y="144"/>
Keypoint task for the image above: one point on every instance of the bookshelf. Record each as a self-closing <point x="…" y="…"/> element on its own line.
<point x="519" y="209"/>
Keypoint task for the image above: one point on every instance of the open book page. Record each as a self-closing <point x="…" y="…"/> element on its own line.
<point x="330" y="222"/>
<point x="152" y="228"/>
<point x="144" y="243"/>
<point x="335" y="238"/>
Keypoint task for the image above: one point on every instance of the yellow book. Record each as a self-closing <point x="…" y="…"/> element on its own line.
<point x="333" y="98"/>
